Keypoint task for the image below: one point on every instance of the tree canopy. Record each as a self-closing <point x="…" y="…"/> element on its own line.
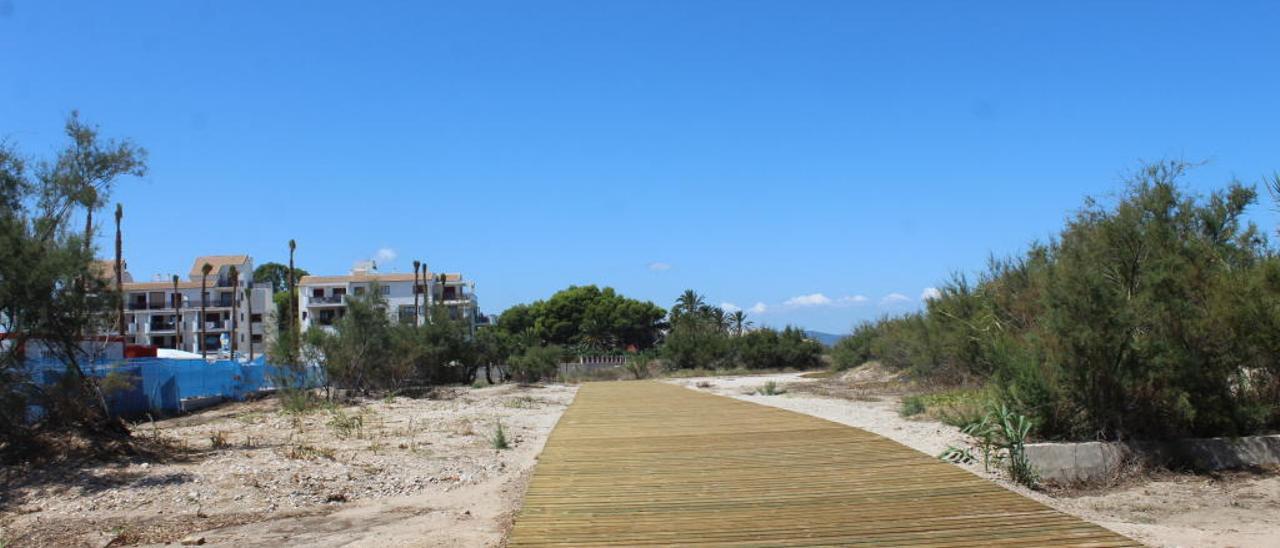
<point x="277" y="275"/>
<point x="588" y="319"/>
<point x="50" y="294"/>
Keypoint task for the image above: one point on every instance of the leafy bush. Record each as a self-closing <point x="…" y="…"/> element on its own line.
<point x="536" y="363"/>
<point x="770" y="349"/>
<point x="499" y="439"/>
<point x="696" y="344"/>
<point x="912" y="406"/>
<point x="1157" y="316"/>
<point x="1001" y="436"/>
<point x="770" y="388"/>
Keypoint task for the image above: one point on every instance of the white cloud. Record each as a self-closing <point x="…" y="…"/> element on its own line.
<point x="659" y="267"/>
<point x="894" y="299"/>
<point x="930" y="293"/>
<point x="851" y="300"/>
<point x="814" y="299"/>
<point x="385" y="255"/>
<point x="758" y="308"/>
<point x="730" y="307"/>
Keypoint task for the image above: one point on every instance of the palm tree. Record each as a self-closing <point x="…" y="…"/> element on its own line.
<point x="204" y="301"/>
<point x="689" y="302"/>
<point x="718" y="318"/>
<point x="416" y="265"/>
<point x="234" y="274"/>
<point x="294" y="328"/>
<point x="177" y="314"/>
<point x="248" y="301"/>
<point x="120" y="276"/>
<point x="739" y="322"/>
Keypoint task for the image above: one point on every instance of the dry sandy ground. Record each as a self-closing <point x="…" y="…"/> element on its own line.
<point x="405" y="472"/>
<point x="1166" y="510"/>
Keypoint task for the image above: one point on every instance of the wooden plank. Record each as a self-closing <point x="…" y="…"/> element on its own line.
<point x="647" y="463"/>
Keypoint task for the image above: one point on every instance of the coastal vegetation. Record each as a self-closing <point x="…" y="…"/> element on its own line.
<point x="1154" y="315"/>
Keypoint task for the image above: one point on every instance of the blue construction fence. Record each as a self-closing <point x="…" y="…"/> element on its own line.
<point x="160" y="386"/>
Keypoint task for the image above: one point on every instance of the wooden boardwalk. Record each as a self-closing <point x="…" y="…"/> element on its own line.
<point x="646" y="463"/>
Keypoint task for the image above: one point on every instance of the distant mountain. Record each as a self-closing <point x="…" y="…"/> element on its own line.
<point x="826" y="339"/>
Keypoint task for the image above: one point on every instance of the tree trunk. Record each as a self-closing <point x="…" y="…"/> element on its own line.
<point x="235" y="301"/>
<point x="120" y="282"/>
<point x="248" y="300"/>
<point x="204" y="301"/>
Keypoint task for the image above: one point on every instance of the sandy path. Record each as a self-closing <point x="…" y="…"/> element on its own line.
<point x="403" y="472"/>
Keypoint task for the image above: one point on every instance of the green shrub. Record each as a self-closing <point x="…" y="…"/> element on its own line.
<point x="912" y="406"/>
<point x="772" y="349"/>
<point x="770" y="388"/>
<point x="1155" y="316"/>
<point x="1001" y="436"/>
<point x="499" y="439"/>
<point x="536" y="363"/>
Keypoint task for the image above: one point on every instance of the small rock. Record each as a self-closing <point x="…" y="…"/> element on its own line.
<point x="191" y="540"/>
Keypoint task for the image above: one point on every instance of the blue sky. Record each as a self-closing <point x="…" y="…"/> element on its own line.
<point x="808" y="153"/>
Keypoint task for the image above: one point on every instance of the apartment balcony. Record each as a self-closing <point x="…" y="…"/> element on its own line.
<point x="209" y="326"/>
<point x="332" y="300"/>
<point x="134" y="306"/>
<point x="212" y="303"/>
<point x="162" y="327"/>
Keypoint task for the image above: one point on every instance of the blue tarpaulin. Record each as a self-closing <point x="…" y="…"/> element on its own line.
<point x="159" y="385"/>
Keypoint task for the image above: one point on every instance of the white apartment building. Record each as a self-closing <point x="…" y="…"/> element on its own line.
<point x="322" y="300"/>
<point x="158" y="314"/>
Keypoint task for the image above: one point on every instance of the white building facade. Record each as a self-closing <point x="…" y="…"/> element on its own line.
<point x="322" y="300"/>
<point x="162" y="315"/>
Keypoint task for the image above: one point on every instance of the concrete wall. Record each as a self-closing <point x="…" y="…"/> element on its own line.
<point x="1099" y="461"/>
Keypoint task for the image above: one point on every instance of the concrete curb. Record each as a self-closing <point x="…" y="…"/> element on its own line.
<point x="1099" y="461"/>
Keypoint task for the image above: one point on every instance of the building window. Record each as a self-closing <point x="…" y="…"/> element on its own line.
<point x="317" y="292"/>
<point x="359" y="290"/>
<point x="256" y="318"/>
<point x="257" y="338"/>
<point x="406" y="314"/>
<point x="386" y="290"/>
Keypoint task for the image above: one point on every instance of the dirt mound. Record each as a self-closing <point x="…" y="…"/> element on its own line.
<point x="872" y="373"/>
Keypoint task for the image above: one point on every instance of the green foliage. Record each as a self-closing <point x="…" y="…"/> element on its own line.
<point x="277" y="275"/>
<point x="51" y="294"/>
<point x="367" y="353"/>
<point x="912" y="406"/>
<point x="358" y="354"/>
<point x="640" y="365"/>
<point x="856" y="349"/>
<point x="770" y="388"/>
<point x="536" y="363"/>
<point x="1157" y="316"/>
<point x="294" y="401"/>
<point x="346" y="426"/>
<point x="770" y="349"/>
<point x="587" y="319"/>
<point x="1001" y="436"/>
<point x="499" y="439"/>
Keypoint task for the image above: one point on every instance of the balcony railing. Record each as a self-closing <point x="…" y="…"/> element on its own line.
<point x="162" y="326"/>
<point x="332" y="299"/>
<point x="164" y="305"/>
